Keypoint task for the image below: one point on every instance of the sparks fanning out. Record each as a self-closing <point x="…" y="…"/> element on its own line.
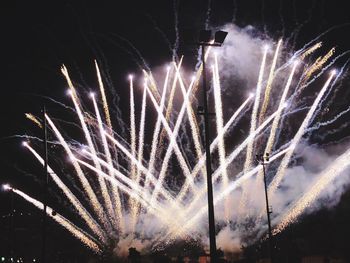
<point x="128" y="182"/>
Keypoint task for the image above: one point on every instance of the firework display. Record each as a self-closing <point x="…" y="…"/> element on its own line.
<point x="148" y="185"/>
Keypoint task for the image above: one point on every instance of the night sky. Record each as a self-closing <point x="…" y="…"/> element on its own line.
<point x="39" y="36"/>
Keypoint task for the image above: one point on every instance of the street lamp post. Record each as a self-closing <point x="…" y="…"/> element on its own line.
<point x="7" y="187"/>
<point x="12" y="225"/>
<point x="263" y="160"/>
<point x="205" y="39"/>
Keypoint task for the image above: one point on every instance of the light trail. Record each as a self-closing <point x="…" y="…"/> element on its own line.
<point x="311" y="50"/>
<point x="269" y="83"/>
<point x="216" y="174"/>
<point x="131" y="192"/>
<point x="78" y="233"/>
<point x="134" y="204"/>
<point x="285" y="161"/>
<point x="172" y="145"/>
<point x="240" y="148"/>
<point x="102" y="183"/>
<point x="34" y="119"/>
<point x="219" y="121"/>
<point x="117" y="217"/>
<point x="191" y="116"/>
<point x="169" y="108"/>
<point x="316" y="189"/>
<point x="85" y="215"/>
<point x="153" y="86"/>
<point x="104" y="98"/>
<point x="219" y="128"/>
<point x="220" y="196"/>
<point x="275" y="126"/>
<point x="156" y="132"/>
<point x="132" y="128"/>
<point x="140" y="166"/>
<point x="276" y="120"/>
<point x="200" y="69"/>
<point x="317" y="65"/>
<point x="253" y="120"/>
<point x="96" y="205"/>
<point x="141" y="133"/>
<point x="135" y="192"/>
<point x="201" y="161"/>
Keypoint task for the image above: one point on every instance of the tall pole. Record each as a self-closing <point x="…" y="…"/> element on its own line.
<point x="212" y="240"/>
<point x="45" y="191"/>
<point x="268" y="212"/>
<point x="12" y="225"/>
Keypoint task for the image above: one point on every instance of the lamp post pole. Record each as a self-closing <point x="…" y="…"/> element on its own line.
<point x="211" y="215"/>
<point x="263" y="159"/>
<point x="12" y="224"/>
<point x="205" y="40"/>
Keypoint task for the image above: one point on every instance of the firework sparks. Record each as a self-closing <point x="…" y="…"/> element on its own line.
<point x="85" y="238"/>
<point x="285" y="161"/>
<point x="158" y="181"/>
<point x="326" y="177"/>
<point x="34" y="119"/>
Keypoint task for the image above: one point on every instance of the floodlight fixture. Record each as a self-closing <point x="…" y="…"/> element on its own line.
<point x="220" y="37"/>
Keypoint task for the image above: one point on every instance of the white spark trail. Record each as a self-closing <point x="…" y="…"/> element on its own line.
<point x="275" y="125"/>
<point x="325" y="178"/>
<point x="140" y="166"/>
<point x="285" y="161"/>
<point x="172" y="145"/>
<point x="219" y="127"/>
<point x="169" y="107"/>
<point x="253" y="121"/>
<point x="134" y="191"/>
<point x="191" y="116"/>
<point x="96" y="205"/>
<point x="132" y="202"/>
<point x="85" y="215"/>
<point x="157" y="130"/>
<point x="78" y="233"/>
<point x="269" y="83"/>
<point x="219" y="197"/>
<point x="172" y="138"/>
<point x="141" y="133"/>
<point x="216" y="174"/>
<point x="132" y="128"/>
<point x="104" y="99"/>
<point x="253" y="124"/>
<point x="102" y="183"/>
<point x="117" y="217"/>
<point x="213" y="145"/>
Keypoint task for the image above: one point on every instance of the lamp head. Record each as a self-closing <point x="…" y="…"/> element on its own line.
<point x="220" y="37"/>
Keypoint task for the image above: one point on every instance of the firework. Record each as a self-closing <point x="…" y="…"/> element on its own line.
<point x="155" y="190"/>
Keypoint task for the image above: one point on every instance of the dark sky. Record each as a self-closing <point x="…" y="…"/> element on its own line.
<point x="37" y="37"/>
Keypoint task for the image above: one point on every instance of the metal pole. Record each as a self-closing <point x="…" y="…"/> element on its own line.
<point x="12" y="225"/>
<point x="212" y="240"/>
<point x="268" y="212"/>
<point x="46" y="184"/>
